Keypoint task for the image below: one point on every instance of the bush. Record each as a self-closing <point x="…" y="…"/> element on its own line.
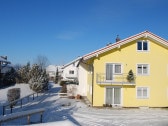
<point x="12" y="95"/>
<point x="63" y="82"/>
<point x="64" y="88"/>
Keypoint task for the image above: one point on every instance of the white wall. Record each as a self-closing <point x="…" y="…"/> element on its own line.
<point x="82" y="76"/>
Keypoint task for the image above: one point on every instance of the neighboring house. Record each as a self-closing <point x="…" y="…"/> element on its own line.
<point x="4" y="66"/>
<point x="51" y="71"/>
<point x="106" y="71"/>
<point x="70" y="70"/>
<point x="75" y="71"/>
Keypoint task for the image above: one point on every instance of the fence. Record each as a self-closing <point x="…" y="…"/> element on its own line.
<point x="21" y="101"/>
<point x="22" y="114"/>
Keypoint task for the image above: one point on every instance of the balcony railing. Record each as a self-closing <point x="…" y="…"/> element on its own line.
<point x="118" y="79"/>
<point x="71" y="76"/>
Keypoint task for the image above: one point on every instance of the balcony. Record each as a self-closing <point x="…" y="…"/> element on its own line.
<point x="71" y="76"/>
<point x="117" y="79"/>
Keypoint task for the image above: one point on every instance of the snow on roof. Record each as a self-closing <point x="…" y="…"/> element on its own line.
<point x="145" y="34"/>
<point x="3" y="60"/>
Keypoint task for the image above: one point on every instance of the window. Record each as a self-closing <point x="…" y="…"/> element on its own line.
<point x="117" y="68"/>
<point x="142" y="69"/>
<point x="71" y="72"/>
<point x="142" y="46"/>
<point x="112" y="69"/>
<point x="142" y="92"/>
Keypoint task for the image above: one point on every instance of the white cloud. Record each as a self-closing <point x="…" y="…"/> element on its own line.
<point x="68" y="35"/>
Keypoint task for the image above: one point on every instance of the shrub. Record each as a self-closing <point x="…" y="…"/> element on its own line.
<point x="63" y="82"/>
<point x="12" y="95"/>
<point x="130" y="76"/>
<point x="64" y="89"/>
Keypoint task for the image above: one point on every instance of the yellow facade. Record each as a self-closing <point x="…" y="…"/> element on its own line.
<point x="156" y="81"/>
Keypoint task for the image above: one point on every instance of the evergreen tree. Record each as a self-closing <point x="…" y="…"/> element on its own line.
<point x="39" y="79"/>
<point x="9" y="77"/>
<point x="130" y="76"/>
<point x="57" y="76"/>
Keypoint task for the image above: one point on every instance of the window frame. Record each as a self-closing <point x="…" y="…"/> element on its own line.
<point x="142" y="46"/>
<point x="143" y="65"/>
<point x="114" y="68"/>
<point x="72" y="72"/>
<point x="142" y="96"/>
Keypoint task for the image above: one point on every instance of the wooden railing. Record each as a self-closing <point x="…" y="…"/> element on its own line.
<point x="17" y="115"/>
<point x="21" y="101"/>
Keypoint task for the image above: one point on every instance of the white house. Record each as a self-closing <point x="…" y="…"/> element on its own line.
<point x="4" y="65"/>
<point x="70" y="70"/>
<point x="75" y="71"/>
<point x="51" y="71"/>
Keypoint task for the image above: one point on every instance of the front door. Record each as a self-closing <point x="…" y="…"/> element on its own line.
<point x="113" y="96"/>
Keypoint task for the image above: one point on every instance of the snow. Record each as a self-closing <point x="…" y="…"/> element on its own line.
<point x="73" y="112"/>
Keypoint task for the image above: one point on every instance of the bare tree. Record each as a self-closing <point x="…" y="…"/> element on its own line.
<point x="42" y="61"/>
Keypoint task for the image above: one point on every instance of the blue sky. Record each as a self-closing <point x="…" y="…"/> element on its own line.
<point x="62" y="30"/>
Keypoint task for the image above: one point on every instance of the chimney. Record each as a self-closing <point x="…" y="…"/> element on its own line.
<point x="118" y="38"/>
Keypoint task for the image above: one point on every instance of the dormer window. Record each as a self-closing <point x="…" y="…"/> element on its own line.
<point x="142" y="45"/>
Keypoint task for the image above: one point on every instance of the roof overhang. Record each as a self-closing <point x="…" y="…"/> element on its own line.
<point x="145" y="34"/>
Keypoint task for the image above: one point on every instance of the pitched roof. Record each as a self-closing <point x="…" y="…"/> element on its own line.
<point x="145" y="34"/>
<point x="76" y="60"/>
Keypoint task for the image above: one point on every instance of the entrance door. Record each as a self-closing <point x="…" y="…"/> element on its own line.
<point x="113" y="95"/>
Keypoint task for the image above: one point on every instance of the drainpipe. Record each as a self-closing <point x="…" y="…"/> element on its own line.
<point x="92" y="82"/>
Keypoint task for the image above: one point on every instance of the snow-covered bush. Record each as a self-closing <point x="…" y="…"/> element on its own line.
<point x="39" y="79"/>
<point x="12" y="95"/>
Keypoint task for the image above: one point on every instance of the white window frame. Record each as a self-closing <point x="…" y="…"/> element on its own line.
<point x="142" y="50"/>
<point x="142" y="91"/>
<point x="143" y="65"/>
<point x="114" y="68"/>
<point x="113" y="95"/>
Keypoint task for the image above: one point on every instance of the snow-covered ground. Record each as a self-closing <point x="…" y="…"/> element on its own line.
<point x="71" y="112"/>
<point x="25" y="90"/>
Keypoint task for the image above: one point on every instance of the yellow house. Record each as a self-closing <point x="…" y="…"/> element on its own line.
<point x="132" y="72"/>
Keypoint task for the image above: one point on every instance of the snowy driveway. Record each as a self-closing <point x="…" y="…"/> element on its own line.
<point x="70" y="112"/>
<point x="121" y="117"/>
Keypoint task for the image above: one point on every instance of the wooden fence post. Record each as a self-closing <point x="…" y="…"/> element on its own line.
<point x="3" y="110"/>
<point x="21" y="103"/>
<point x="41" y="117"/>
<point x="28" y="119"/>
